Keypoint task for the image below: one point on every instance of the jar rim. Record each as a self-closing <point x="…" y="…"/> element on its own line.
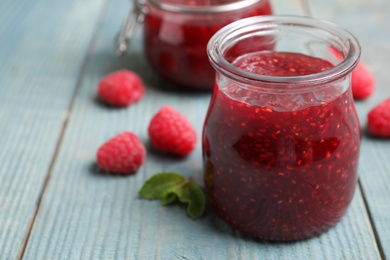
<point x="235" y="5"/>
<point x="294" y="82"/>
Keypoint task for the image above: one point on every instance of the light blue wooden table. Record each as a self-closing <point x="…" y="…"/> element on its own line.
<point x="56" y="204"/>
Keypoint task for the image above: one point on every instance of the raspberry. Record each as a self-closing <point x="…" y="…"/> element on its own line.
<point x="379" y="119"/>
<point x="171" y="132"/>
<point x="124" y="153"/>
<point x="121" y="88"/>
<point x="363" y="82"/>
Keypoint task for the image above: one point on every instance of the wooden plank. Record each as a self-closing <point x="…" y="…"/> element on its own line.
<point x="42" y="47"/>
<point x="289" y="7"/>
<point x="370" y="23"/>
<point x="86" y="214"/>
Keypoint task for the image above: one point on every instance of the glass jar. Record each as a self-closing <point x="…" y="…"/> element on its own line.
<point x="176" y="34"/>
<point x="281" y="138"/>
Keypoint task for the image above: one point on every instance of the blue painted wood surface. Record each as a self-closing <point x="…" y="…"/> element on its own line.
<point x="43" y="45"/>
<point x="52" y="55"/>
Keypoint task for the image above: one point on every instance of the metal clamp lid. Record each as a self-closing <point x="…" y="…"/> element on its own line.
<point x="205" y="9"/>
<point x="135" y="17"/>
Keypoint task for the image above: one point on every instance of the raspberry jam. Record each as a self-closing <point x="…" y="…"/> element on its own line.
<point x="281" y="138"/>
<point x="175" y="42"/>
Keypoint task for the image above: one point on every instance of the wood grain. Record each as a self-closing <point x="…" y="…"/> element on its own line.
<point x="88" y="214"/>
<point x="369" y="21"/>
<point x="42" y="48"/>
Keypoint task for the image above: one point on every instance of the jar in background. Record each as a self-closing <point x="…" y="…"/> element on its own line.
<point x="281" y="138"/>
<point x="176" y="33"/>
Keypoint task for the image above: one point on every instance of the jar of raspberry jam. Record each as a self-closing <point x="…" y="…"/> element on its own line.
<point x="281" y="138"/>
<point x="176" y="33"/>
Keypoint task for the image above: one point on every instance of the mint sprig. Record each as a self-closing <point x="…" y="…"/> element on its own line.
<point x="171" y="186"/>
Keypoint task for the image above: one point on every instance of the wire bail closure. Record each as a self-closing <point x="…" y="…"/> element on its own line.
<point x="135" y="17"/>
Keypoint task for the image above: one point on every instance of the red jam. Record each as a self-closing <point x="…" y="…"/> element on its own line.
<point x="286" y="171"/>
<point x="176" y="43"/>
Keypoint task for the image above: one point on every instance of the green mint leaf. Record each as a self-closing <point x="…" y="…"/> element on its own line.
<point x="170" y="186"/>
<point x="194" y="196"/>
<point x="168" y="198"/>
<point x="160" y="183"/>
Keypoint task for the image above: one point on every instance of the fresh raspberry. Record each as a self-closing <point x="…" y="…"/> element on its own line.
<point x="124" y="153"/>
<point x="171" y="132"/>
<point x="379" y="119"/>
<point x="363" y="82"/>
<point x="121" y="88"/>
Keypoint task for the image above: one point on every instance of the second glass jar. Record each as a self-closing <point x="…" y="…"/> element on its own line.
<point x="176" y="34"/>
